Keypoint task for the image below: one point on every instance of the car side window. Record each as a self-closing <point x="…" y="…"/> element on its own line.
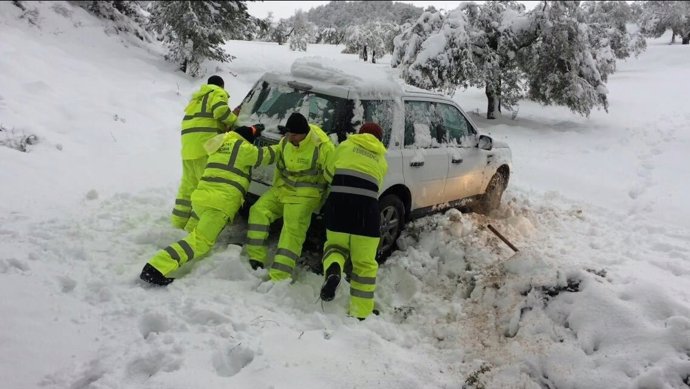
<point x="453" y="122"/>
<point x="455" y="125"/>
<point x="380" y="112"/>
<point x="321" y="112"/>
<point x="423" y="125"/>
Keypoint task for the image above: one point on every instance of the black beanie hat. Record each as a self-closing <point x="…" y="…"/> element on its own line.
<point x="297" y="124"/>
<point x="216" y="80"/>
<point x="247" y="133"/>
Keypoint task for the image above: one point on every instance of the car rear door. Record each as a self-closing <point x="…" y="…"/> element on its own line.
<point x="425" y="161"/>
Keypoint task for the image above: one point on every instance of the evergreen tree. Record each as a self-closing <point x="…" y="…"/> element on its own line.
<point x="265" y="28"/>
<point x="301" y="32"/>
<point x="281" y="32"/>
<point x="609" y="20"/>
<point x="374" y="38"/>
<point x="561" y="65"/>
<point x="195" y="30"/>
<point x="124" y="16"/>
<point x="331" y="36"/>
<point x="659" y="16"/>
<point x="549" y="55"/>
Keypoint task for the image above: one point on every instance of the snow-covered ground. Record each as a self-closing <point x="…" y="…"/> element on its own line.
<point x="597" y="297"/>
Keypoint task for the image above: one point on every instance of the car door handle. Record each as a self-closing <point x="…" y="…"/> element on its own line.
<point x="417" y="164"/>
<point x="459" y="160"/>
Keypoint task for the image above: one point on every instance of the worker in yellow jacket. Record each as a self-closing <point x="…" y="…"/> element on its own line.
<point x="206" y="116"/>
<point x="216" y="200"/>
<point x="298" y="190"/>
<point x="355" y="172"/>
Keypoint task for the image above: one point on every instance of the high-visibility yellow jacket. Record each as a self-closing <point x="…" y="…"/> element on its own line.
<point x="300" y="170"/>
<point x="206" y="115"/>
<point x="360" y="155"/>
<point x="356" y="171"/>
<point x="228" y="170"/>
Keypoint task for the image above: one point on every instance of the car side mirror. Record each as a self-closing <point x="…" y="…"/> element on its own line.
<point x="485" y="142"/>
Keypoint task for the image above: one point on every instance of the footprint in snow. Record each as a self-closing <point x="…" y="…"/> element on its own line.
<point x="144" y="367"/>
<point x="13" y="264"/>
<point x="230" y="361"/>
<point x="66" y="284"/>
<point x="153" y="322"/>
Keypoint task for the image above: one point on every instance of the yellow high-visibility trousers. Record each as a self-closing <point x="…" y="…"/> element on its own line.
<point x="192" y="170"/>
<point x="195" y="245"/>
<point x="361" y="250"/>
<point x="296" y="221"/>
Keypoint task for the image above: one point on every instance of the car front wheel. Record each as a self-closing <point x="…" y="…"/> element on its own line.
<point x="494" y="192"/>
<point x="392" y="212"/>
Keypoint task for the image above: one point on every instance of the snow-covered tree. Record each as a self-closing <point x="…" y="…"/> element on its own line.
<point x="124" y="15"/>
<point x="473" y="45"/>
<point x="561" y="65"/>
<point x="497" y="31"/>
<point x="195" y="30"/>
<point x="331" y="36"/>
<point x="265" y="28"/>
<point x="281" y="32"/>
<point x="408" y="44"/>
<point x="343" y="14"/>
<point x="609" y="20"/>
<point x="371" y="40"/>
<point x="659" y="16"/>
<point x="549" y="55"/>
<point x="301" y="32"/>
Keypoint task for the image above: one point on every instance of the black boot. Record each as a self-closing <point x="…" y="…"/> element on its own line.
<point x="375" y="312"/>
<point x="255" y="264"/>
<point x="331" y="283"/>
<point x="151" y="275"/>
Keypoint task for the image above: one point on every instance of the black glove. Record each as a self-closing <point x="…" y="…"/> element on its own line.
<point x="259" y="128"/>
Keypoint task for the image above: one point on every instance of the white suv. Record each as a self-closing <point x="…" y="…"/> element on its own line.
<point x="436" y="158"/>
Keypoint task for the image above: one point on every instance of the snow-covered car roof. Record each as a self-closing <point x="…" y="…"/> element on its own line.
<point x="351" y="80"/>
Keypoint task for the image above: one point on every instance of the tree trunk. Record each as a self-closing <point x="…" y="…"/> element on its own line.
<point x="499" y="96"/>
<point x="373" y="56"/>
<point x="365" y="57"/>
<point x="686" y="39"/>
<point x="183" y="67"/>
<point x="493" y="102"/>
<point x="673" y="36"/>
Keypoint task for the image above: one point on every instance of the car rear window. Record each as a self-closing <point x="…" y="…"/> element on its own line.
<point x="271" y="104"/>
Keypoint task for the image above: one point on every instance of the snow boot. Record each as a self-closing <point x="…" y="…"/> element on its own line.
<point x="255" y="264"/>
<point x="151" y="275"/>
<point x="375" y="312"/>
<point x="331" y="283"/>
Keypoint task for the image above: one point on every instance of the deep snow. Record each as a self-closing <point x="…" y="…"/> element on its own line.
<point x="597" y="297"/>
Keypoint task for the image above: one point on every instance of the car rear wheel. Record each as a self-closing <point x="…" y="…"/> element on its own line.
<point x="392" y="212"/>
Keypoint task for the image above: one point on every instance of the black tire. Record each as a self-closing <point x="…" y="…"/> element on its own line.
<point x="392" y="211"/>
<point x="491" y="199"/>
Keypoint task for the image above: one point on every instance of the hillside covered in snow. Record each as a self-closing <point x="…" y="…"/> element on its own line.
<point x="597" y="297"/>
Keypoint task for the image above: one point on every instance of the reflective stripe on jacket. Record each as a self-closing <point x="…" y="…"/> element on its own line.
<point x="206" y="115"/>
<point x="300" y="170"/>
<point x="355" y="172"/>
<point x="361" y="161"/>
<point x="228" y="171"/>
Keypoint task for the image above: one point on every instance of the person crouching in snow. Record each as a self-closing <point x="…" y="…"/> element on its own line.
<point x="355" y="172"/>
<point x="216" y="200"/>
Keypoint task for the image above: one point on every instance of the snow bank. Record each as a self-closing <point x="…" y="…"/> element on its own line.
<point x="597" y="297"/>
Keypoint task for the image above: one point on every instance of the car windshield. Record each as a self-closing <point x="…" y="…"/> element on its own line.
<point x="271" y="104"/>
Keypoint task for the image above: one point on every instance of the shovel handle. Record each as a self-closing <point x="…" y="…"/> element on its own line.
<point x="502" y="238"/>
